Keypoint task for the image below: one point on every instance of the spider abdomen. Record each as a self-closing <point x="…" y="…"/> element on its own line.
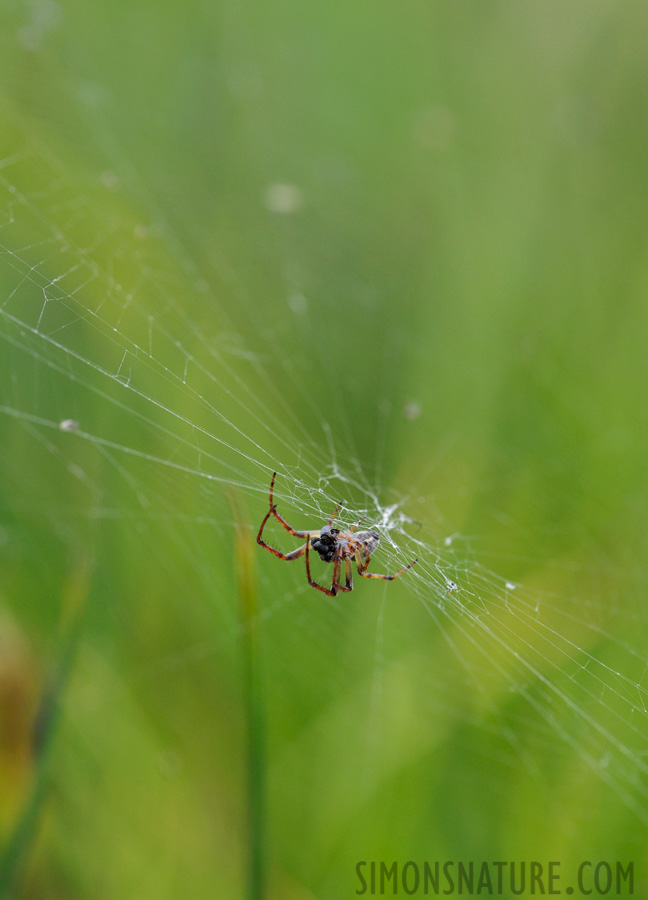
<point x="368" y="539"/>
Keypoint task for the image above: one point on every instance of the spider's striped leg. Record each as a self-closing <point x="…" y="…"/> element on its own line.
<point x="359" y="522"/>
<point x="273" y="512"/>
<point x="349" y="574"/>
<point x="349" y="577"/>
<point x="362" y="565"/>
<point x="334" y="513"/>
<point x="299" y="534"/>
<point x="274" y="475"/>
<point x="294" y="554"/>
<point x="335" y="585"/>
<point x="263" y="525"/>
<point x="332" y="592"/>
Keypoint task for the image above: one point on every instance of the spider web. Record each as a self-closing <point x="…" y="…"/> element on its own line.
<point x="147" y="395"/>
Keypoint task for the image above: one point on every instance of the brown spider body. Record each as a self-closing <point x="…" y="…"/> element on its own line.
<point x="332" y="545"/>
<point x="332" y="542"/>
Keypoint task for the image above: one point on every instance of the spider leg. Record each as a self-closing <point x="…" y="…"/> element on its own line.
<point x="349" y="577"/>
<point x="336" y="575"/>
<point x="349" y="574"/>
<point x="300" y="534"/>
<point x="335" y="512"/>
<point x="353" y="527"/>
<point x="362" y="565"/>
<point x="332" y="592"/>
<point x="273" y="512"/>
<point x="263" y="524"/>
<point x="294" y="554"/>
<point x="274" y="475"/>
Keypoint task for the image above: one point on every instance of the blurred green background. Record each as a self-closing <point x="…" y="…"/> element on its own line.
<point x="398" y="253"/>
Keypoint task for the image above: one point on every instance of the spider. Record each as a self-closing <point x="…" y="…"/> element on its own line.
<point x="333" y="546"/>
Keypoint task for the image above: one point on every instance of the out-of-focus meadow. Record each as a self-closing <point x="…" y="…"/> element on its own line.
<point x="398" y="251"/>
